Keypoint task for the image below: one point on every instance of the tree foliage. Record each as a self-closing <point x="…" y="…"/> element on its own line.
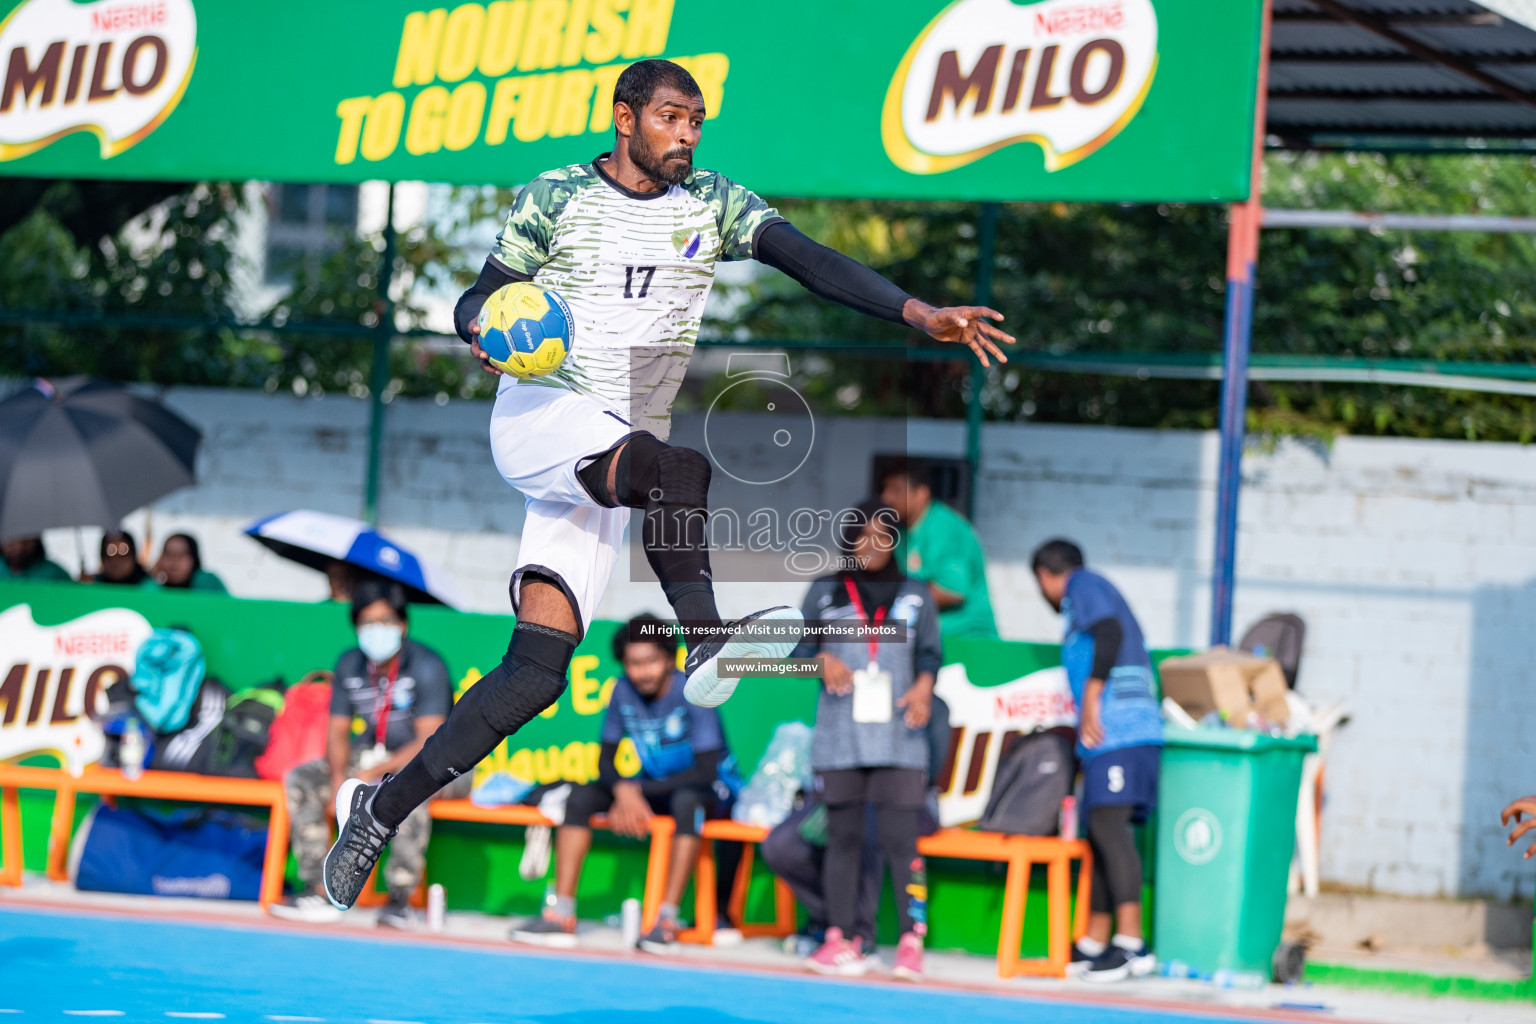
<point x="1091" y="279"/>
<point x="1071" y="278"/>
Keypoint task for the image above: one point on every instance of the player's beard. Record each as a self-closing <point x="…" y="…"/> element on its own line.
<point x="670" y="168"/>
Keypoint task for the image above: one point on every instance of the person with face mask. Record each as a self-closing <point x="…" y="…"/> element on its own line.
<point x="390" y="693"/>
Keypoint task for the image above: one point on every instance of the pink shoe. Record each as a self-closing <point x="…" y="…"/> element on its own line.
<point x="839" y="956"/>
<point x="909" y="957"/>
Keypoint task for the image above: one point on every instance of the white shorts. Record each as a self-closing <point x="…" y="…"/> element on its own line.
<point x="540" y="437"/>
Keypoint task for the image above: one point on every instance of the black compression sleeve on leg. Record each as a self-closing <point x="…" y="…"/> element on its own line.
<point x="1114" y="845"/>
<point x="672" y="486"/>
<point x="493" y="276"/>
<point x="530" y="678"/>
<point x="829" y="274"/>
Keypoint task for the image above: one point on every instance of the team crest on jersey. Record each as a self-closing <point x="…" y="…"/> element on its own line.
<point x="686" y="241"/>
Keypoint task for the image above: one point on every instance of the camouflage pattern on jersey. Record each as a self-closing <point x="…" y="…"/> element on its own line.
<point x="309" y="795"/>
<point x="635" y="270"/>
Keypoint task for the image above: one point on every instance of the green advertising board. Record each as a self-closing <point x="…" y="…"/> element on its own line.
<point x="55" y="639"/>
<point x="1093" y="100"/>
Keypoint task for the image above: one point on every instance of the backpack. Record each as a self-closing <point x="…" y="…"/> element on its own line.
<point x="1278" y="636"/>
<point x="1033" y="776"/>
<point x="166" y="676"/>
<point x="299" y="731"/>
<point x="244" y="732"/>
<point x="187" y="749"/>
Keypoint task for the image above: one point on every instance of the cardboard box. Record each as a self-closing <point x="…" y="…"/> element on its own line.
<point x="1232" y="682"/>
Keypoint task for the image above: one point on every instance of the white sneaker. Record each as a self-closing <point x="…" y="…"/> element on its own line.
<point x="311" y="907"/>
<point x="705" y="687"/>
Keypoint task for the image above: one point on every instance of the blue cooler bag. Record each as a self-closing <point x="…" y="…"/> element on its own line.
<point x="213" y="854"/>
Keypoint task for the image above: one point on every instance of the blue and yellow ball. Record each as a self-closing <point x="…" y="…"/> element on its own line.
<point x="526" y="330"/>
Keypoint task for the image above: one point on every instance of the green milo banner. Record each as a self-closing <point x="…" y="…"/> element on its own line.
<point x="1094" y="100"/>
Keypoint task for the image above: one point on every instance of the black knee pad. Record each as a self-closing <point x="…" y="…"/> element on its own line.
<point x="650" y="472"/>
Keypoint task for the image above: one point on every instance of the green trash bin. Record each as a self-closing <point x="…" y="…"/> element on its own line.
<point x="1226" y="829"/>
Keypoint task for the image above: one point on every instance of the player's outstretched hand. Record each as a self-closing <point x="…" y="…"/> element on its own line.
<point x="479" y="353"/>
<point x="961" y="325"/>
<point x="1525" y="806"/>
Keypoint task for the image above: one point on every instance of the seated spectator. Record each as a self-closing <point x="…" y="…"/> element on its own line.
<point x="24" y="559"/>
<point x="796" y="848"/>
<point x="940" y="548"/>
<point x="870" y="747"/>
<point x="390" y="694"/>
<point x="181" y="566"/>
<point x="120" y="560"/>
<point x="684" y="766"/>
<point x="1120" y="738"/>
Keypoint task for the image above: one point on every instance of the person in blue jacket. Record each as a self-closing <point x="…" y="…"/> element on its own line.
<point x="1120" y="737"/>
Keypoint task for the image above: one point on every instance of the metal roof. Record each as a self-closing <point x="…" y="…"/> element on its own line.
<point x="1367" y="74"/>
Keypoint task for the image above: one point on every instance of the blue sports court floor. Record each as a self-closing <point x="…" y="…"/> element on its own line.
<point x="65" y="965"/>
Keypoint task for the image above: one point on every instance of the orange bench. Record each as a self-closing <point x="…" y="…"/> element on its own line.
<point x="1020" y="853"/>
<point x="154" y="785"/>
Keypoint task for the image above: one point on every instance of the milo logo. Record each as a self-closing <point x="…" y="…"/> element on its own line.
<point x="1197" y="836"/>
<point x="115" y="68"/>
<point x="1066" y="75"/>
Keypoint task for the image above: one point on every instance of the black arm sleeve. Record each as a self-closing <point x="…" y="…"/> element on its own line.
<point x="492" y="276"/>
<point x="706" y="768"/>
<point x="607" y="765"/>
<point x="1106" y="647"/>
<point x="828" y="273"/>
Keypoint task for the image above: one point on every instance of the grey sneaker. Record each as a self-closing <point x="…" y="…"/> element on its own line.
<point x="706" y="688"/>
<point x="548" y="929"/>
<point x="359" y="841"/>
<point x="661" y="939"/>
<point x="398" y="913"/>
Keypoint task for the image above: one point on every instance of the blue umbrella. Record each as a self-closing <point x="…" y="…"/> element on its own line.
<point x="317" y="539"/>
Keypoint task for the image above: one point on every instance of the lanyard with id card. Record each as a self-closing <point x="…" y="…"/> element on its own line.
<point x="871" y="685"/>
<point x="379" y="752"/>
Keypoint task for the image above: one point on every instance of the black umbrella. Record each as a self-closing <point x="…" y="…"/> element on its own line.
<point x="83" y="452"/>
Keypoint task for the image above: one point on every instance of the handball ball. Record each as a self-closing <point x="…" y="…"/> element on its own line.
<point x="525" y="330"/>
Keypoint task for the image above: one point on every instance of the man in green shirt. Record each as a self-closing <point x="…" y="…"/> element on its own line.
<point x="940" y="548"/>
<point x="24" y="560"/>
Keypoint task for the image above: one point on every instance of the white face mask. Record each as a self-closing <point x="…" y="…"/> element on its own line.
<point x="380" y="641"/>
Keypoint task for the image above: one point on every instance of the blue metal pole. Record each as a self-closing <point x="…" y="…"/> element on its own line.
<point x="1237" y="334"/>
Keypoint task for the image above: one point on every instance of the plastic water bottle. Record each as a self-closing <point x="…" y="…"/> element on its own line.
<point x="1238" y="979"/>
<point x="630" y="912"/>
<point x="437" y="908"/>
<point x="1068" y="818"/>
<point x="1176" y="969"/>
<point x="131" y="750"/>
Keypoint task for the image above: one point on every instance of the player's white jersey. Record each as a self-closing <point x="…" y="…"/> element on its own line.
<point x="635" y="269"/>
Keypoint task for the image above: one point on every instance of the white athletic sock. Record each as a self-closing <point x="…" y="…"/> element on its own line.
<point x="1131" y="944"/>
<point x="1093" y="947"/>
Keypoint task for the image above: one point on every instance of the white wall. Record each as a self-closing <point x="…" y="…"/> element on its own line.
<point x="1414" y="564"/>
